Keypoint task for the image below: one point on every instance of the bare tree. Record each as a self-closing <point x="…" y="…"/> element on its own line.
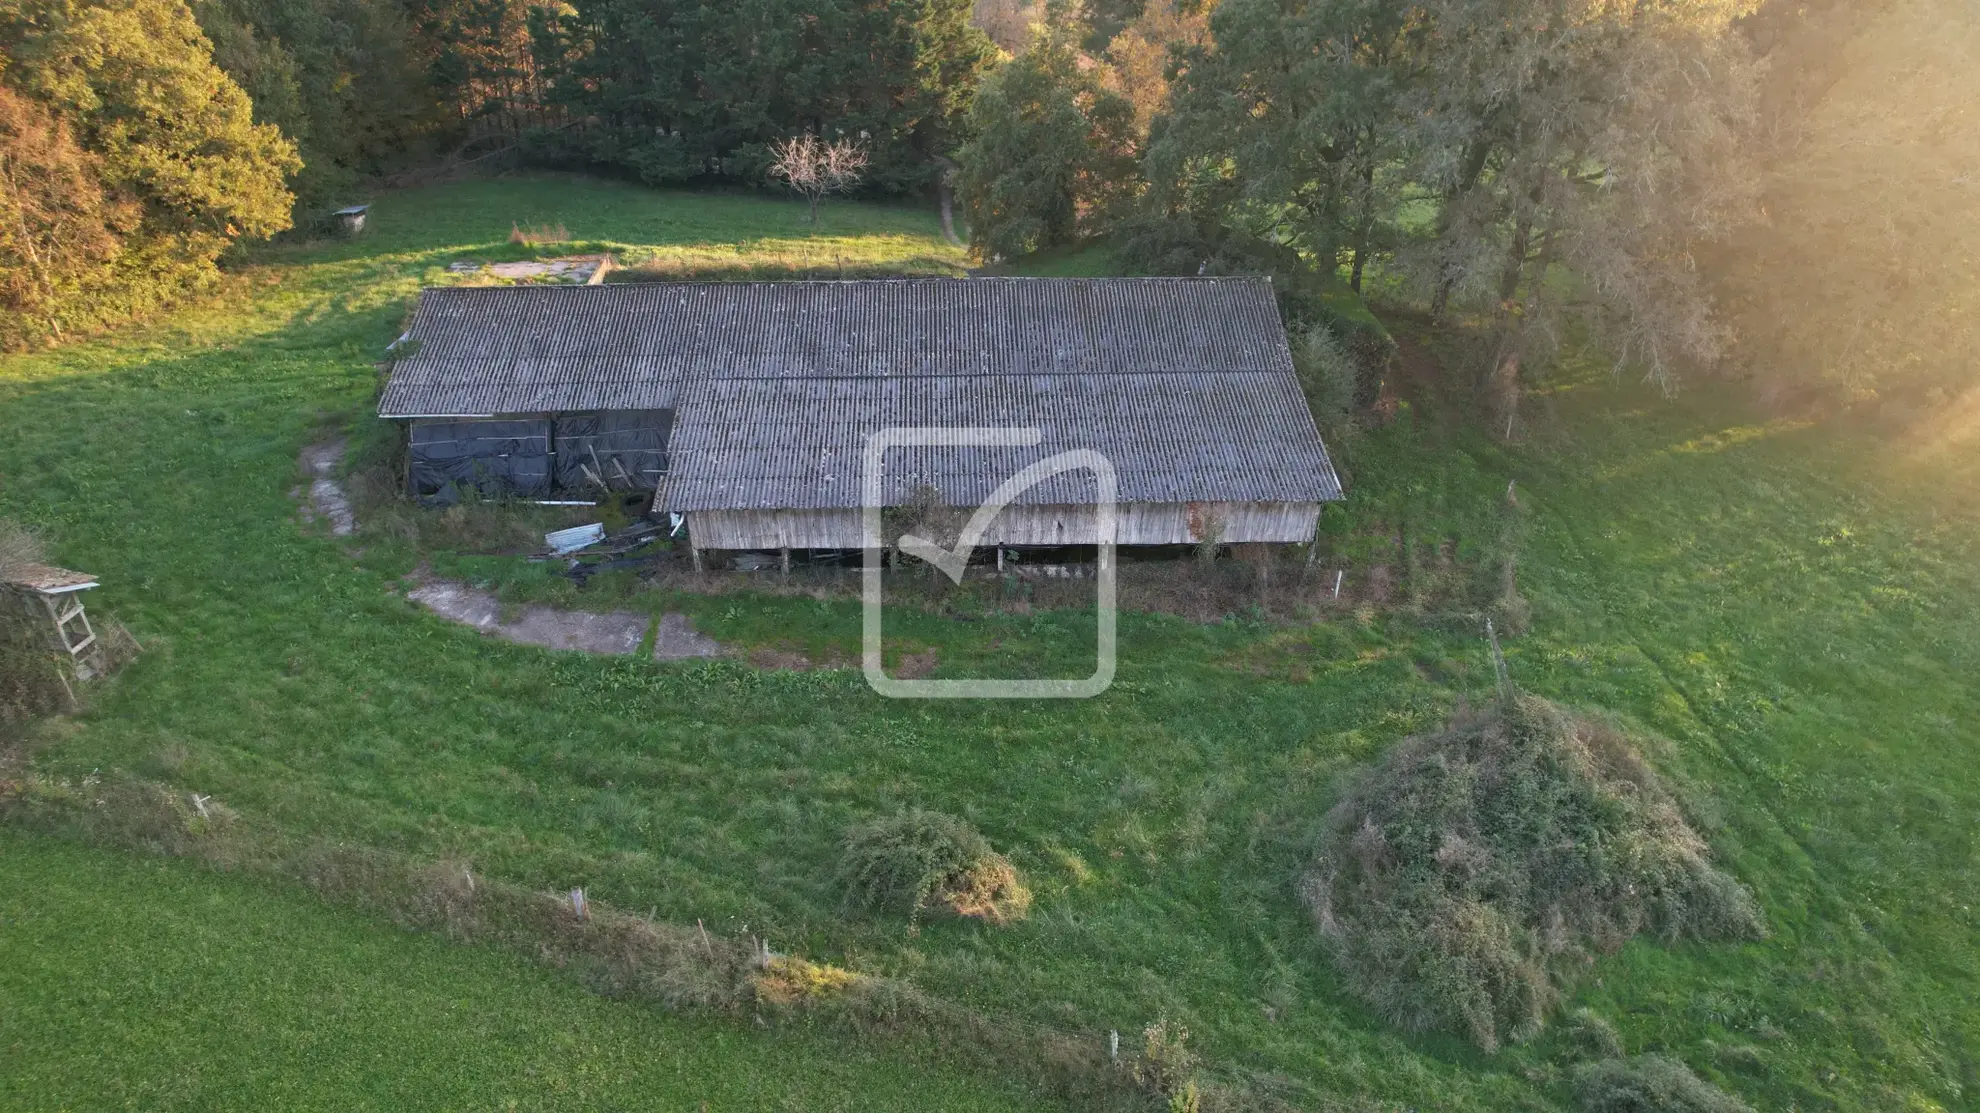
<point x="813" y="168"/>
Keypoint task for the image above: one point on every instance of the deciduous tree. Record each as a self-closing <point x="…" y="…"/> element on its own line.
<point x="59" y="230"/>
<point x="815" y="168"/>
<point x="133" y="86"/>
<point x="1862" y="284"/>
<point x="1053" y="149"/>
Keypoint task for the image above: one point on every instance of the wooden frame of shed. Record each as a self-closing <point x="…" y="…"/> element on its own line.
<point x="761" y="396"/>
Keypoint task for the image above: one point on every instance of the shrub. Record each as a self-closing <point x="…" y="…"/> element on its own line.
<point x="1330" y="377"/>
<point x="1166" y="1067"/>
<point x="915" y="860"/>
<point x="1649" y="1084"/>
<point x="1466" y="875"/>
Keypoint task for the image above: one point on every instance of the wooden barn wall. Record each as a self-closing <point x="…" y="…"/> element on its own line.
<point x="1143" y="523"/>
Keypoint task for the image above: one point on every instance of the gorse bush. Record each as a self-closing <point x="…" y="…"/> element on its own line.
<point x="1466" y="876"/>
<point x="1649" y="1084"/>
<point x="915" y="860"/>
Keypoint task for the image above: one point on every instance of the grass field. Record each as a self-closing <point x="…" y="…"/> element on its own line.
<point x="138" y="984"/>
<point x="1793" y="606"/>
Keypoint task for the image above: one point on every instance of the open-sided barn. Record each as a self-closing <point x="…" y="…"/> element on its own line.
<point x="746" y="406"/>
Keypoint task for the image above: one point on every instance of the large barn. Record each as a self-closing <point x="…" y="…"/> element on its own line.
<point x="745" y="407"/>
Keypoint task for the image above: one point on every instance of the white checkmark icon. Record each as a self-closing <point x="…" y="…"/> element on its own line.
<point x="953" y="562"/>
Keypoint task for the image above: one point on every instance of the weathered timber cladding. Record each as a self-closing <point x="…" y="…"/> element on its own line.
<point x="1134" y="524"/>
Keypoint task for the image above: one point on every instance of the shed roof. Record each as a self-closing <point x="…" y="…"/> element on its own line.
<point x="1186" y="384"/>
<point x="46" y="579"/>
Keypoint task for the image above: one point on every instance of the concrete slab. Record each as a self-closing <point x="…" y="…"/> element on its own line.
<point x="677" y="640"/>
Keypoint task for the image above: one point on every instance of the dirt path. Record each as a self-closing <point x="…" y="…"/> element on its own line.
<point x="327" y="501"/>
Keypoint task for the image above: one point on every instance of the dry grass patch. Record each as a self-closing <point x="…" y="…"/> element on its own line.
<point x="915" y="860"/>
<point x="534" y="234"/>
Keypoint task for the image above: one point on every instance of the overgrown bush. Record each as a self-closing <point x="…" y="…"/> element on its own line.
<point x="29" y="684"/>
<point x="1467" y="875"/>
<point x="1330" y="378"/>
<point x="1166" y="1068"/>
<point x="30" y="678"/>
<point x="916" y="860"/>
<point x="1649" y="1084"/>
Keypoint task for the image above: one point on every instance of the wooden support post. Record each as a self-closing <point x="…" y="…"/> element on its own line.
<point x="784" y="561"/>
<point x="694" y="551"/>
<point x="1000" y="559"/>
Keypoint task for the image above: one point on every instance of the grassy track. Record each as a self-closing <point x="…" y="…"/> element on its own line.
<point x="1797" y="616"/>
<point x="134" y="984"/>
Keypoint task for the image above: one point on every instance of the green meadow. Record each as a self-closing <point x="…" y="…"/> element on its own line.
<point x="1794" y="606"/>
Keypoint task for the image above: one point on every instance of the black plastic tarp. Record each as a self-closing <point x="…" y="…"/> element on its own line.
<point x="624" y="450"/>
<point x="495" y="459"/>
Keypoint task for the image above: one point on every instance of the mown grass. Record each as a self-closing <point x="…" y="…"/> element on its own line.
<point x="141" y="984"/>
<point x="1798" y="618"/>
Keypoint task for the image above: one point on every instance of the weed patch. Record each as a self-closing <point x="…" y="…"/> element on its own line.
<point x="918" y="860"/>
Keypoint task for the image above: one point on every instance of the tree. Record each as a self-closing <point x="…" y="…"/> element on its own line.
<point x="348" y="81"/>
<point x="814" y="168"/>
<point x="678" y="92"/>
<point x="1862" y="284"/>
<point x="1007" y="22"/>
<point x="133" y="84"/>
<point x="1146" y="49"/>
<point x="1053" y="150"/>
<point x="59" y="230"/>
<point x="1607" y="143"/>
<point x="1534" y="160"/>
<point x="1284" y="130"/>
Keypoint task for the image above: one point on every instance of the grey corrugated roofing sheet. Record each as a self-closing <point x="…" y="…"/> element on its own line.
<point x="1185" y="383"/>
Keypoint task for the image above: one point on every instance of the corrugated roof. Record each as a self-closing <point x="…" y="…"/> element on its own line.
<point x="1185" y="383"/>
<point x="1171" y="436"/>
